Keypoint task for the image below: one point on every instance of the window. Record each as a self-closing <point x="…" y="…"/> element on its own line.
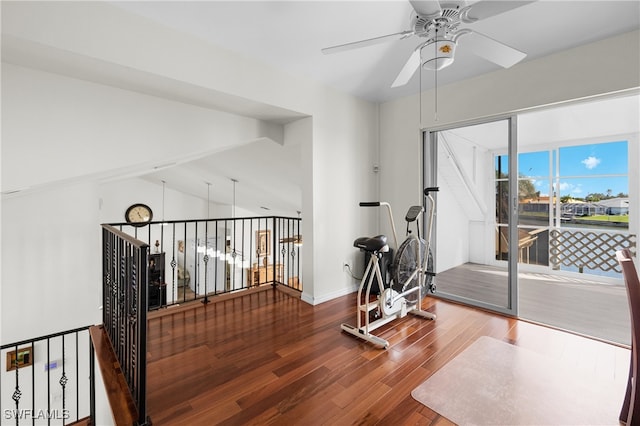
<point x="584" y="187"/>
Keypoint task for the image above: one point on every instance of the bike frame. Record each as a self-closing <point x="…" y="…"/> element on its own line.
<point x="396" y="304"/>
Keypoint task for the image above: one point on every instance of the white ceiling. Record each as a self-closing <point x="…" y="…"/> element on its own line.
<point x="290" y="34"/>
<point x="268" y="178"/>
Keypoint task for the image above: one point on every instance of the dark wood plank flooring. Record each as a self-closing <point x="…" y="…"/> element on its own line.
<point x="269" y="358"/>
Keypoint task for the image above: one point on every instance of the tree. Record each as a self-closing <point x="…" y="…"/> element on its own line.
<point x="526" y="189"/>
<point x="594" y="197"/>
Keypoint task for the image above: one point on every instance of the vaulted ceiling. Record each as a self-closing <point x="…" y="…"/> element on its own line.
<point x="289" y="36"/>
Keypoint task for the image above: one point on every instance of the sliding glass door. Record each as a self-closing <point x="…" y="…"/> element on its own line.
<point x="474" y="260"/>
<point x="532" y="209"/>
<point x="581" y="162"/>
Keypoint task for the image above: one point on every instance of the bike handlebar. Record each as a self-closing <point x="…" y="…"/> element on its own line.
<point x="431" y="189"/>
<point x="388" y="206"/>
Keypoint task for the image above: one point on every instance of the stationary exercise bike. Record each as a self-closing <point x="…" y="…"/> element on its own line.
<point x="411" y="275"/>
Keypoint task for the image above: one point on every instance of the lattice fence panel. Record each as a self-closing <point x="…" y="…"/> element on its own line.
<point x="588" y="249"/>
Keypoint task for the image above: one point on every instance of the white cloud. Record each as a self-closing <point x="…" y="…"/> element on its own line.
<point x="591" y="162"/>
<point x="565" y="186"/>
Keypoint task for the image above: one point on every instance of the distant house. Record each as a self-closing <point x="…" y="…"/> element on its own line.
<point x="613" y="207"/>
<point x="616" y="206"/>
<point x="539" y="204"/>
<point x="535" y="206"/>
<point x="583" y="209"/>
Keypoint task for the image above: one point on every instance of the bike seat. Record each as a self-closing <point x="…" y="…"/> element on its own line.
<point x="372" y="244"/>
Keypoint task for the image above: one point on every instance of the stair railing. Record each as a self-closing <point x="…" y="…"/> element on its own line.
<point x="124" y="312"/>
<point x="48" y="378"/>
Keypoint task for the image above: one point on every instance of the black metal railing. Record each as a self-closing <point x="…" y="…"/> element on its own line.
<point x="125" y="263"/>
<point x="48" y="379"/>
<point x="198" y="259"/>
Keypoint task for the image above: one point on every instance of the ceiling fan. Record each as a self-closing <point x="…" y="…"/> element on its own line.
<point x="439" y="27"/>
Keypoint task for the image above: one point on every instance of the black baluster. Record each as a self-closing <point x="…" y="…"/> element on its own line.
<point x="173" y="264"/>
<point x="92" y="383"/>
<point x="77" y="380"/>
<point x="215" y="266"/>
<point x="197" y="262"/>
<point x="33" y="385"/>
<point x="17" y="393"/>
<point x="63" y="383"/>
<point x="206" y="262"/>
<point x="48" y="383"/>
<point x="242" y="255"/>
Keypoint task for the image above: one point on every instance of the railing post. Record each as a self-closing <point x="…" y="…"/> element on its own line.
<point x="141" y="355"/>
<point x="274" y="256"/>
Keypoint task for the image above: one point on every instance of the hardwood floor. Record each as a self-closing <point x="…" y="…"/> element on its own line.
<point x="269" y="358"/>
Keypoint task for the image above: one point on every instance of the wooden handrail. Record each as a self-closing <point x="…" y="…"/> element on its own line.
<point x="123" y="407"/>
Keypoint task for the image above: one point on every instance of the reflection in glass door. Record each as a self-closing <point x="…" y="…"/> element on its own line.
<point x="473" y="255"/>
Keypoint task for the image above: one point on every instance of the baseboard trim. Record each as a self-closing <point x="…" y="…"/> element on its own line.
<point x="310" y="299"/>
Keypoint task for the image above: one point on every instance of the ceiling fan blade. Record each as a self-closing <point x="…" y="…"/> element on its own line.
<point x="426" y="7"/>
<point x="408" y="70"/>
<point x="492" y="50"/>
<point x="486" y="9"/>
<point x="365" y="43"/>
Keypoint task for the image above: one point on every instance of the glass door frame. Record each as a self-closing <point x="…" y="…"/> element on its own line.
<point x="430" y="179"/>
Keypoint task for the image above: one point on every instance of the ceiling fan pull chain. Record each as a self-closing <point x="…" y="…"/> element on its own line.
<point x="420" y="92"/>
<point x="435" y="47"/>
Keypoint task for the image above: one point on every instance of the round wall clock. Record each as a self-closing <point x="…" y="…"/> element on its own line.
<point x="138" y="214"/>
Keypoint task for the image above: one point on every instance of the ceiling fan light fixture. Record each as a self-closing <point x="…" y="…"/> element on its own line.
<point x="438" y="54"/>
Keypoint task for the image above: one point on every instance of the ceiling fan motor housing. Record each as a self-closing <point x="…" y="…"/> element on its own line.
<point x="447" y="20"/>
<point x="438" y="54"/>
<point x="438" y="51"/>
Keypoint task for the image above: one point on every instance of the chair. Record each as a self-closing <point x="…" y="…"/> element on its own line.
<point x="630" y="413"/>
<point x="526" y="239"/>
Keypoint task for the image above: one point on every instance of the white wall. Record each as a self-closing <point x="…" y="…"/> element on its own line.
<point x="116" y="196"/>
<point x="342" y="177"/>
<point x="57" y="128"/>
<point x="51" y="273"/>
<point x="452" y="231"/>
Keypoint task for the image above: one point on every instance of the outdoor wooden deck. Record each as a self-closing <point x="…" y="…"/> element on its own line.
<point x="579" y="305"/>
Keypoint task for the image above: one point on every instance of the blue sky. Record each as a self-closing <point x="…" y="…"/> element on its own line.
<point x="584" y="169"/>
